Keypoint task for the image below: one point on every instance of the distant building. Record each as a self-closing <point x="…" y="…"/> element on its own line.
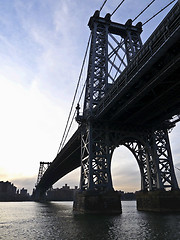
<point x="129" y="196"/>
<point x="8" y="192"/>
<point x="24" y="195"/>
<point x="23" y="192"/>
<point x="65" y="187"/>
<point x="67" y="194"/>
<point x="61" y="194"/>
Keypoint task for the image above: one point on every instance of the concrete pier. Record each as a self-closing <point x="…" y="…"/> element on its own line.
<point x="94" y="202"/>
<point x="158" y="201"/>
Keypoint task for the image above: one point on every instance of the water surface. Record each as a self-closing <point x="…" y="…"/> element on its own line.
<point x="55" y="220"/>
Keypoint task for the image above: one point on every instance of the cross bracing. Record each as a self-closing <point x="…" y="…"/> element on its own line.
<point x="113" y="47"/>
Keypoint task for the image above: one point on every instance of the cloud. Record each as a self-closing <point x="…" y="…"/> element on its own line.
<point x="29" y="132"/>
<point x="174" y="137"/>
<point x="24" y="182"/>
<point x="57" y="56"/>
<point x="42" y="44"/>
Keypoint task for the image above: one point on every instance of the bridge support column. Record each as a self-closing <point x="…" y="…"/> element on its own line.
<point x="97" y="194"/>
<point x="158" y="201"/>
<point x="166" y="195"/>
<point x="97" y="202"/>
<point x="162" y="156"/>
<point x="39" y="195"/>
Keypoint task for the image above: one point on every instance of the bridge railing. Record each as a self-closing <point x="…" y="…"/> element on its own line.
<point x="165" y="30"/>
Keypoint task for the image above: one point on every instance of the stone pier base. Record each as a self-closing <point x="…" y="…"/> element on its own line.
<point x="94" y="202"/>
<point x="158" y="201"/>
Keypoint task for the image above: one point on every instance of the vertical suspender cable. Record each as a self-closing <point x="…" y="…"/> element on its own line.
<point x="177" y="168"/>
<point x="69" y="128"/>
<point x="62" y="141"/>
<point x="144" y="10"/>
<point x="102" y="5"/>
<point x="159" y="12"/>
<point x="117" y="7"/>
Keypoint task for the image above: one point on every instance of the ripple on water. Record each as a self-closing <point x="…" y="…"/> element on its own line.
<point x="55" y="220"/>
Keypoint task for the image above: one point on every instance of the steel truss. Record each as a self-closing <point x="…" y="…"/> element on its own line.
<point x="113" y="47"/>
<point x="137" y="141"/>
<point x="162" y="156"/>
<point x="143" y="159"/>
<point x="151" y="149"/>
<point x="96" y="84"/>
<point x="42" y="168"/>
<point x="96" y="154"/>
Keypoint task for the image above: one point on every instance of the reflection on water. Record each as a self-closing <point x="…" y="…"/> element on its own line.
<point x="55" y="220"/>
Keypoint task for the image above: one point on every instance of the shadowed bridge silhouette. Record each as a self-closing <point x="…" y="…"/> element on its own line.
<point x="135" y="108"/>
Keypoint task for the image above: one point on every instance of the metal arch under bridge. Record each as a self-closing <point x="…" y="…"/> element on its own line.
<point x="135" y="109"/>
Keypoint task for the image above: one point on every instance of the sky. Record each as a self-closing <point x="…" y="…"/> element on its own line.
<point x="42" y="45"/>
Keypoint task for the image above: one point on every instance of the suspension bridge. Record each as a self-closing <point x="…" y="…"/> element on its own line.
<point x="132" y="98"/>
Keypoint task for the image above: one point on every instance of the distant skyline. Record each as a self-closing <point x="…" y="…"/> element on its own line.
<point x="42" y="45"/>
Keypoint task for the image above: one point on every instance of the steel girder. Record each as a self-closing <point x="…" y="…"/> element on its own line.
<point x="144" y="162"/>
<point x="96" y="154"/>
<point x="137" y="141"/>
<point x="97" y="82"/>
<point x="152" y="151"/>
<point x="162" y="156"/>
<point x="113" y="46"/>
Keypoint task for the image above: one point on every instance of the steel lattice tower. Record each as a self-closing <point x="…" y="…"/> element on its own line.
<point x="42" y="168"/>
<point x="113" y="47"/>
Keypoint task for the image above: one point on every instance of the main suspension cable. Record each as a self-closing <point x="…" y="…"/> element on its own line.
<point x="69" y="128"/>
<point x="144" y="10"/>
<point x="159" y="12"/>
<point x="177" y="168"/>
<point x="63" y="137"/>
<point x="74" y="113"/>
<point x="102" y="5"/>
<point x="84" y="85"/>
<point x="80" y="96"/>
<point x="117" y="7"/>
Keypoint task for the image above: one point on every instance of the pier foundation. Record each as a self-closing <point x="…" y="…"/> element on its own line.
<point x="158" y="201"/>
<point x="94" y="202"/>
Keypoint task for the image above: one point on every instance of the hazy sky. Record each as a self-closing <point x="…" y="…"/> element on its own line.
<point x="42" y="45"/>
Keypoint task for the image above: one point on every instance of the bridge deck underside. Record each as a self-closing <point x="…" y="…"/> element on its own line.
<point x="151" y="95"/>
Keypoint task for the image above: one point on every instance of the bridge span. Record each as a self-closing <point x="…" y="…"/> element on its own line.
<point x="144" y="98"/>
<point x="66" y="161"/>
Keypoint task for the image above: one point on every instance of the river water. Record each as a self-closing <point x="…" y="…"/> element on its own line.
<point x="55" y="220"/>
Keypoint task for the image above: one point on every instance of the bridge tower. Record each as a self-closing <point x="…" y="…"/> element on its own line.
<point x="113" y="47"/>
<point x="42" y="168"/>
<point x="40" y="194"/>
